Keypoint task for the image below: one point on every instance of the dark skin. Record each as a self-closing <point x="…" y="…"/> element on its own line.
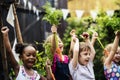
<point x="28" y="57"/>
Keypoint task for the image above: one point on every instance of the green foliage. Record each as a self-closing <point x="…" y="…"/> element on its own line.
<point x="42" y="57"/>
<point x="52" y="16"/>
<point x="109" y="22"/>
<point x="79" y="26"/>
<point x="47" y="47"/>
<point x="107" y="27"/>
<point x="40" y="63"/>
<point x="12" y="74"/>
<point x="114" y="23"/>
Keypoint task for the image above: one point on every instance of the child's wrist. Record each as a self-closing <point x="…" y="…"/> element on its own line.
<point x="5" y="34"/>
<point x="87" y="39"/>
<point x="53" y="32"/>
<point x="94" y="38"/>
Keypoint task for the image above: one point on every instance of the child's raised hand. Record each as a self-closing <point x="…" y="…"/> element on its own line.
<point x="118" y="33"/>
<point x="74" y="36"/>
<point x="48" y="63"/>
<point x="54" y="29"/>
<point x="72" y="32"/>
<point x="85" y="35"/>
<point x="4" y="29"/>
<point x="95" y="35"/>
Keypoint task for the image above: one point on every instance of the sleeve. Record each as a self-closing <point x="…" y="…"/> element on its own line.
<point x="72" y="70"/>
<point x="66" y="59"/>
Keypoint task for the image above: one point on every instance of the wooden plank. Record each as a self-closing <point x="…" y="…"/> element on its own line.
<point x="3" y="50"/>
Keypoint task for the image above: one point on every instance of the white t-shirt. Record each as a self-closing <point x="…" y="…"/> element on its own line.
<point x="22" y="75"/>
<point x="82" y="72"/>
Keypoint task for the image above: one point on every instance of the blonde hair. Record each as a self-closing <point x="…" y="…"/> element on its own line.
<point x="51" y="40"/>
<point x="108" y="47"/>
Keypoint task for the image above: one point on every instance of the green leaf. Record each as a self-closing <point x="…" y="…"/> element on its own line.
<point x="52" y="16"/>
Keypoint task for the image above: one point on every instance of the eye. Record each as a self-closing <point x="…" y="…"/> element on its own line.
<point x="27" y="54"/>
<point x="85" y="53"/>
<point x="89" y="53"/>
<point x="116" y="53"/>
<point x="34" y="55"/>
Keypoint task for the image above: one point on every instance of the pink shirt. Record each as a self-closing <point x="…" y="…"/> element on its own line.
<point x="66" y="60"/>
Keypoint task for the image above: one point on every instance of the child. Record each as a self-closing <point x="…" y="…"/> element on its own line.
<point x="73" y="34"/>
<point x="60" y="62"/>
<point x="27" y="55"/>
<point x="81" y="65"/>
<point x="112" y="60"/>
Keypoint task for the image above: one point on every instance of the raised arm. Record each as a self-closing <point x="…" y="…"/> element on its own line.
<point x="54" y="39"/>
<point x="94" y="37"/>
<point x="14" y="63"/>
<point x="110" y="57"/>
<point x="72" y="33"/>
<point x="75" y="52"/>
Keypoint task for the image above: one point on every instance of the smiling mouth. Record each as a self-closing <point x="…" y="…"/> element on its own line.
<point x="87" y="60"/>
<point x="31" y="61"/>
<point x="60" y="47"/>
<point x="117" y="57"/>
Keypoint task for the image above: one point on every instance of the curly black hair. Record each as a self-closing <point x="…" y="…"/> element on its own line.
<point x="20" y="47"/>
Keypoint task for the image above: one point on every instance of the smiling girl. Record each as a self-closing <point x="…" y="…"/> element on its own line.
<point x="27" y="54"/>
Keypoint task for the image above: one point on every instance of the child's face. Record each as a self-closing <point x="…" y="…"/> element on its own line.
<point x="84" y="57"/>
<point x="60" y="45"/>
<point x="29" y="56"/>
<point x="117" y="56"/>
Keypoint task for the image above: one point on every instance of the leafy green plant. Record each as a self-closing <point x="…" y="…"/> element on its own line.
<point x="47" y="47"/>
<point x="52" y="16"/>
<point x="42" y="57"/>
<point x="40" y="63"/>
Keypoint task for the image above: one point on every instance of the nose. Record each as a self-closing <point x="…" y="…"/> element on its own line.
<point x="118" y="55"/>
<point x="88" y="56"/>
<point x="31" y="56"/>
